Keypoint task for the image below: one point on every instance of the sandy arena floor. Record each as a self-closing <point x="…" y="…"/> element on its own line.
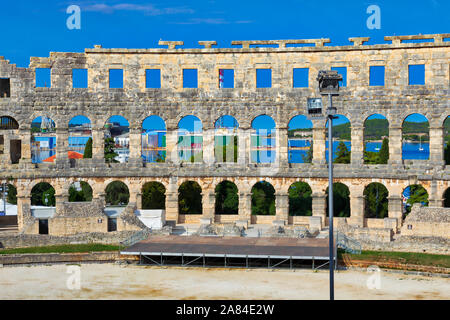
<point x="109" y="281"/>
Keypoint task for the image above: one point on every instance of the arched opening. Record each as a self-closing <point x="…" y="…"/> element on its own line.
<point x="80" y="191"/>
<point x="227" y="198"/>
<point x="43" y="140"/>
<point x="10" y="149"/>
<point x="300" y="200"/>
<point x="153" y="196"/>
<point x="43" y="194"/>
<point x="376" y="140"/>
<point x="80" y="138"/>
<point x="226" y="139"/>
<point x="375" y="201"/>
<point x="447" y="141"/>
<point x="300" y="140"/>
<point x="190" y="198"/>
<point x="342" y="141"/>
<point x="9" y="206"/>
<point x="190" y="139"/>
<point x="341" y="200"/>
<point x="447" y="198"/>
<point x="414" y="193"/>
<point x="117" y="140"/>
<point x="117" y="194"/>
<point x="263" y="199"/>
<point x="415" y="137"/>
<point x="263" y="143"/>
<point x="154" y="139"/>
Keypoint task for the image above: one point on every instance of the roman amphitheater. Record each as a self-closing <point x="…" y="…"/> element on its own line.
<point x="22" y="101"/>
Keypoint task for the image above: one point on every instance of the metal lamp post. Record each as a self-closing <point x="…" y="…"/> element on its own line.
<point x="329" y="86"/>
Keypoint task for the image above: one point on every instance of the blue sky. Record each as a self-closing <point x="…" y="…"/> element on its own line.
<point x="33" y="28"/>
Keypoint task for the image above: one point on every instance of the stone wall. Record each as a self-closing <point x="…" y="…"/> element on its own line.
<point x="427" y="222"/>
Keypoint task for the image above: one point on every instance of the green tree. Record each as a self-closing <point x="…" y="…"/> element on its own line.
<point x="384" y="152"/>
<point x="300" y="200"/>
<point x="110" y="154"/>
<point x="85" y="194"/>
<point x="48" y="198"/>
<point x="40" y="192"/>
<point x="190" y="198"/>
<point x="88" y="149"/>
<point x="418" y="194"/>
<point x="12" y="194"/>
<point x="447" y="151"/>
<point x="342" y="154"/>
<point x="341" y="200"/>
<point x="227" y="199"/>
<point x="375" y="201"/>
<point x="117" y="193"/>
<point x="263" y="199"/>
<point x="153" y="196"/>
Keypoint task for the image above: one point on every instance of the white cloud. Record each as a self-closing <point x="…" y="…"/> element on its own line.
<point x="148" y="9"/>
<point x="211" y="21"/>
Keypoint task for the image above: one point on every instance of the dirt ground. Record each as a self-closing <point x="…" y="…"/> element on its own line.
<point x="110" y="281"/>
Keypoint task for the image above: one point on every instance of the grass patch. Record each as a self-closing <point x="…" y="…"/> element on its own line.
<point x="423" y="259"/>
<point x="66" y="248"/>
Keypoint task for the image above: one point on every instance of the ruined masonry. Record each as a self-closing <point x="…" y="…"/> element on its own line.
<point x="23" y="102"/>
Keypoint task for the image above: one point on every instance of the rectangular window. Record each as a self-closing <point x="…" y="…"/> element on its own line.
<point x="376" y="76"/>
<point x="79" y="78"/>
<point x="343" y="72"/>
<point x="43" y="78"/>
<point x="116" y="78"/>
<point x="190" y="78"/>
<point x="263" y="78"/>
<point x="300" y="77"/>
<point x="416" y="74"/>
<point x="4" y="88"/>
<point x="226" y="78"/>
<point x="153" y="78"/>
<point x="112" y="224"/>
<point x="43" y="226"/>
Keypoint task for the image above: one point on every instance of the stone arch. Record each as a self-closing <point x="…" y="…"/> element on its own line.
<point x="414" y="130"/>
<point x="300" y="199"/>
<point x="446" y="138"/>
<point x="117" y="139"/>
<point x="226" y="139"/>
<point x="376" y="130"/>
<point x="262" y="140"/>
<point x="80" y="191"/>
<point x="190" y="139"/>
<point x="263" y="198"/>
<point x="414" y="193"/>
<point x="8" y="123"/>
<point x="446" y="198"/>
<point x="341" y="200"/>
<point x="80" y="131"/>
<point x="153" y="142"/>
<point x="300" y="139"/>
<point x="376" y="201"/>
<point x="43" y="140"/>
<point x="190" y="198"/>
<point x="342" y="143"/>
<point x="227" y="198"/>
<point x="117" y="193"/>
<point x="153" y="196"/>
<point x="43" y="194"/>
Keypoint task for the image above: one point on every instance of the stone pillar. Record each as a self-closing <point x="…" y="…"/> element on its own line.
<point x="208" y="146"/>
<point x="21" y="201"/>
<point x="25" y="136"/>
<point x="282" y="206"/>
<point x="62" y="144"/>
<point x="318" y="146"/>
<point x="245" y="206"/>
<point x="243" y="144"/>
<point x="171" y="146"/>
<point x="437" y="146"/>
<point x="395" y="146"/>
<point x="282" y="147"/>
<point x="139" y="201"/>
<point x="356" y="211"/>
<point x="7" y="149"/>
<point x="208" y="204"/>
<point x="98" y="145"/>
<point x="135" y="147"/>
<point x="59" y="201"/>
<point x="395" y="208"/>
<point x="172" y="200"/>
<point x="357" y="148"/>
<point x="319" y="206"/>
